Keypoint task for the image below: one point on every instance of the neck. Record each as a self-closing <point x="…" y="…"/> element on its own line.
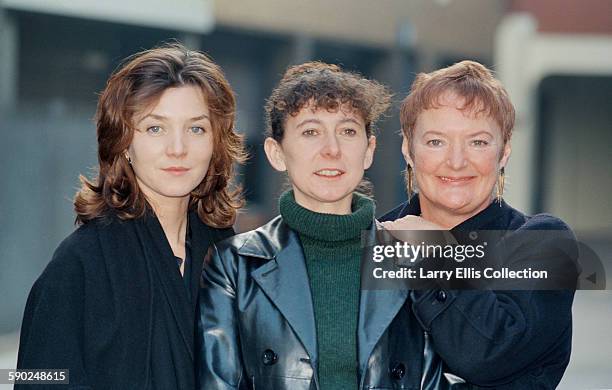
<point x="448" y="219"/>
<point x="172" y="216"/>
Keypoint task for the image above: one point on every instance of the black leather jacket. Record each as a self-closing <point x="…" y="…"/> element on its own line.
<point x="257" y="329"/>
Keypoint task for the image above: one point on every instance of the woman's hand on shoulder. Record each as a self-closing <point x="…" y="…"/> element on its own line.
<point x="411" y="222"/>
<point x="415" y="230"/>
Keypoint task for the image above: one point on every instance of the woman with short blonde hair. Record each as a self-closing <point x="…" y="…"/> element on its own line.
<point x="457" y="124"/>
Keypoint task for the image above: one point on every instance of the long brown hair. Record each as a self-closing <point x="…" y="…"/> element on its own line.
<point x="137" y="84"/>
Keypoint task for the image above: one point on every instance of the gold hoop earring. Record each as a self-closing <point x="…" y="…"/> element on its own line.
<point x="500" y="185"/>
<point x="409" y="179"/>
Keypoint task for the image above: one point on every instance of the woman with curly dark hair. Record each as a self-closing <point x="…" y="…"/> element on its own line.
<point x="116" y="304"/>
<point x="282" y="306"/>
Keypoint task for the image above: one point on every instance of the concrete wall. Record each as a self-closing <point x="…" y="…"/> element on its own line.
<point x="430" y="26"/>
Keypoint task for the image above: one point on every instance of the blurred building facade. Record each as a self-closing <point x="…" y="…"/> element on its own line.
<point x="554" y="56"/>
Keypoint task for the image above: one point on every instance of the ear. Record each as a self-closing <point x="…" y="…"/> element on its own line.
<point x="406" y="151"/>
<point x="505" y="154"/>
<point x="369" y="154"/>
<point x="275" y="154"/>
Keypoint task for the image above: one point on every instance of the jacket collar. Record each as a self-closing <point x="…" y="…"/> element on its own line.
<point x="266" y="241"/>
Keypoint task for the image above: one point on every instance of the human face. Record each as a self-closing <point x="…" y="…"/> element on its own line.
<point x="456" y="156"/>
<point x="172" y="145"/>
<point x="325" y="154"/>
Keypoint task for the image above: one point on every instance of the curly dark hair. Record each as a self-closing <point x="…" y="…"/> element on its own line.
<point x="137" y="84"/>
<point x="324" y="86"/>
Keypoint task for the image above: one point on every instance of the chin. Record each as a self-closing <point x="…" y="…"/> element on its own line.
<point x="176" y="192"/>
<point x="465" y="206"/>
<point x="332" y="196"/>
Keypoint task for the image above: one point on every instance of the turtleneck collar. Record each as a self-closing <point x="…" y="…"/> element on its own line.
<point x="327" y="227"/>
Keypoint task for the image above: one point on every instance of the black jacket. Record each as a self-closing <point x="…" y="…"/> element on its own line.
<point x="112" y="307"/>
<point x="257" y="326"/>
<point x="499" y="339"/>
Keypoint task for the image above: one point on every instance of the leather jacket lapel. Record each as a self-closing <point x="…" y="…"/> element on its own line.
<point x="377" y="309"/>
<point x="284" y="279"/>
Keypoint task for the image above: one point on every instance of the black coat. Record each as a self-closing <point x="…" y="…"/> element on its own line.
<point x="257" y="326"/>
<point x="112" y="307"/>
<point x="499" y="339"/>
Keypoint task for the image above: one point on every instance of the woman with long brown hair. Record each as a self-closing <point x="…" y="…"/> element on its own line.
<point x="116" y="304"/>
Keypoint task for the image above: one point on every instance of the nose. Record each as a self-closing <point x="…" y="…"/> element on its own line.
<point x="331" y="149"/>
<point x="456" y="156"/>
<point x="176" y="146"/>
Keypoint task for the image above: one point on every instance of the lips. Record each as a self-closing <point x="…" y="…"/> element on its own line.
<point x="329" y="173"/>
<point x="176" y="170"/>
<point x="455" y="179"/>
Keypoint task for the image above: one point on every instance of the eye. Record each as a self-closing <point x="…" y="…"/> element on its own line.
<point x="197" y="130"/>
<point x="434" y="142"/>
<point x="309" y="132"/>
<point x="155" y="130"/>
<point x="480" y="142"/>
<point x="349" y="131"/>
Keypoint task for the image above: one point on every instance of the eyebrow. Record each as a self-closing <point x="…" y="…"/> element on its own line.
<point x="318" y="121"/>
<point x="474" y="134"/>
<point x="309" y="120"/>
<point x="161" y="117"/>
<point x="351" y="120"/>
<point x="435" y="132"/>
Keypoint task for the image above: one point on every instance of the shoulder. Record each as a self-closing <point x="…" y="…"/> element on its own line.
<point x="82" y="247"/>
<point x="67" y="265"/>
<point x="84" y="239"/>
<point x="243" y="253"/>
<point x="543" y="235"/>
<point x="544" y="222"/>
<point x="263" y="242"/>
<point x="512" y="219"/>
<point x="541" y="221"/>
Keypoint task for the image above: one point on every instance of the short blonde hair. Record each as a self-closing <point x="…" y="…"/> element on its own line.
<point x="470" y="80"/>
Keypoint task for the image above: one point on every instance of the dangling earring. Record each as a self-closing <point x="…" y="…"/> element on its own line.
<point x="500" y="185"/>
<point x="128" y="158"/>
<point x="409" y="178"/>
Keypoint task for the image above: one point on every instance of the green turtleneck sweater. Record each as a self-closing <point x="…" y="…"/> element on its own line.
<point x="332" y="249"/>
